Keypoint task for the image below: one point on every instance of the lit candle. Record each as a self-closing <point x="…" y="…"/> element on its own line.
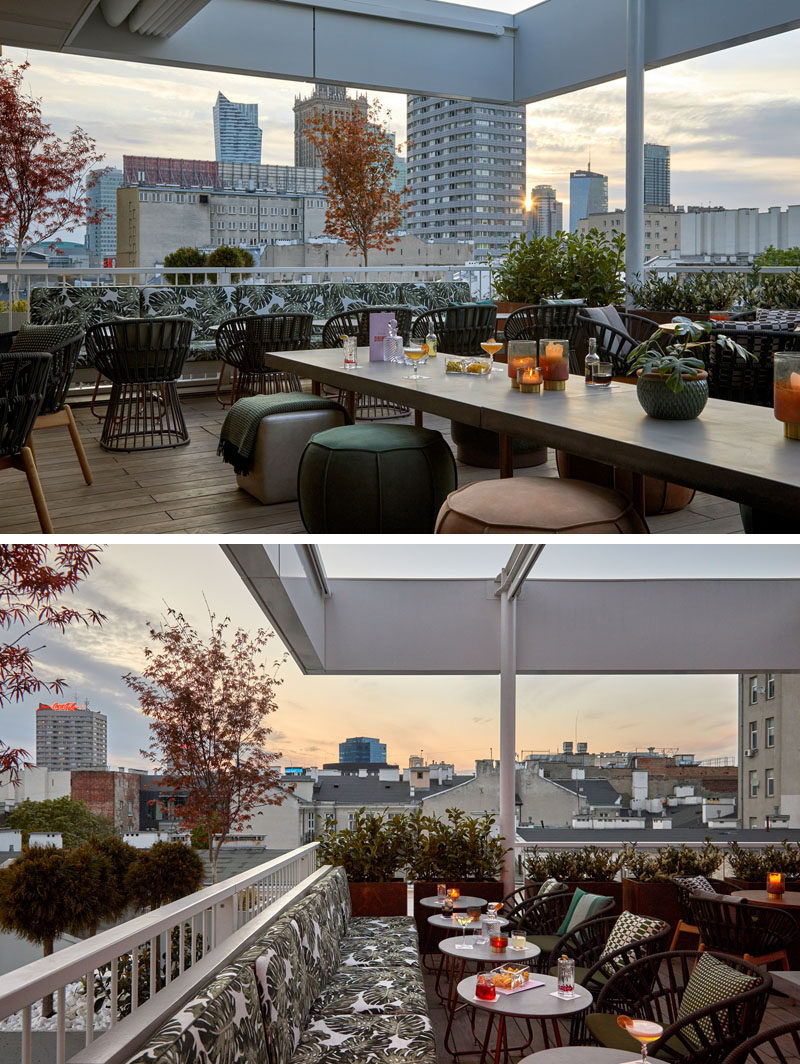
<point x="498" y="943"/>
<point x="787" y="392"/>
<point x="554" y="363"/>
<point x="454" y="893"/>
<point x="776" y="883"/>
<point x="529" y="379"/>
<point x="517" y="362"/>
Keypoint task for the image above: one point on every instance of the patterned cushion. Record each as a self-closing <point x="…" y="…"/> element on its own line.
<point x="547" y="887"/>
<point x="368" y="1039"/>
<point x="83" y="306"/>
<point x="222" y="1024"/>
<point x="206" y="305"/>
<point x="691" y="883"/>
<point x="712" y="982"/>
<point x="284" y="989"/>
<point x="319" y="947"/>
<point x="628" y="928"/>
<point x="390" y="930"/>
<point x="376" y="991"/>
<point x="342" y="891"/>
<point x="582" y="907"/>
<point x="44" y="337"/>
<point x="367" y="953"/>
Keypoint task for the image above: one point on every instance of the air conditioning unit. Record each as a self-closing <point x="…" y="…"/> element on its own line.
<point x="749" y="753"/>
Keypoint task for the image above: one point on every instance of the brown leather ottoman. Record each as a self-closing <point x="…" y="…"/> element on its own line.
<point x="660" y="496"/>
<point x="538" y="505"/>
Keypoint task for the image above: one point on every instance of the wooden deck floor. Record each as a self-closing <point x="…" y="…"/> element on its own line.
<point x="190" y="490"/>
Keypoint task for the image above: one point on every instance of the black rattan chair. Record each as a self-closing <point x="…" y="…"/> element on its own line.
<point x="776" y="1045"/>
<point x="686" y="886"/>
<point x="543" y="320"/>
<point x="753" y="932"/>
<point x="751" y="380"/>
<point x="356" y="323"/>
<point x="23" y="388"/>
<point x="64" y="344"/>
<point x="652" y="987"/>
<point x="245" y="343"/>
<point x="614" y="345"/>
<point x="143" y="358"/>
<point x="460" y="329"/>
<point x="527" y="911"/>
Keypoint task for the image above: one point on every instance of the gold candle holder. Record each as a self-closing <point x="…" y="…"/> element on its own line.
<point x="554" y="364"/>
<point x="529" y="381"/>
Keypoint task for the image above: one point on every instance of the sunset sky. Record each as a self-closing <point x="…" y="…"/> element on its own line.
<point x="450" y="718"/>
<point x="731" y="119"/>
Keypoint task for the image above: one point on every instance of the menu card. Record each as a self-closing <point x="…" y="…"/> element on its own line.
<point x="378" y="329"/>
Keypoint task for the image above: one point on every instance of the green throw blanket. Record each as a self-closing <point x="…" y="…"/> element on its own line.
<point x="237" y="440"/>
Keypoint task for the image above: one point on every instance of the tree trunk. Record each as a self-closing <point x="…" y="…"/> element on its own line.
<point x="365" y="255"/>
<point x="212" y="856"/>
<point x="13" y="294"/>
<point x="47" y="1000"/>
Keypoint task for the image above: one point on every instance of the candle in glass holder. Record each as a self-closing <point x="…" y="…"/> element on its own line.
<point x="454" y="893"/>
<point x="517" y="363"/>
<point x="787" y="392"/>
<point x="498" y="943"/>
<point x="554" y="364"/>
<point x="529" y="379"/>
<point x="776" y="883"/>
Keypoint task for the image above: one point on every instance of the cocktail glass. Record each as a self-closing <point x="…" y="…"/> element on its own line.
<point x="491" y="347"/>
<point x="463" y="919"/>
<point x="441" y="891"/>
<point x="417" y="356"/>
<point x="644" y="1031"/>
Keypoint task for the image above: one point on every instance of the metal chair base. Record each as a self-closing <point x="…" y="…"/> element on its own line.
<point x="144" y="416"/>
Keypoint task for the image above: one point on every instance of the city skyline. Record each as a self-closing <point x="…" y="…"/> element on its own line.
<point x="451" y="718"/>
<point x="725" y="126"/>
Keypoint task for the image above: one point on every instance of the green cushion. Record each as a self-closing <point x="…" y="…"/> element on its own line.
<point x="582" y="907"/>
<point x="548" y="886"/>
<point x="546" y="943"/>
<point x="44" y="337"/>
<point x="608" y="1033"/>
<point x="374" y="478"/>
<point x="712" y="982"/>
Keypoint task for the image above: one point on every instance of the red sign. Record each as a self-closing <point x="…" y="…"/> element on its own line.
<point x="68" y="707"/>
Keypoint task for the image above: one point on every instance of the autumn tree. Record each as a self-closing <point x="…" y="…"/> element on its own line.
<point x="206" y="699"/>
<point x="34" y="582"/>
<point x="44" y="179"/>
<point x="359" y="168"/>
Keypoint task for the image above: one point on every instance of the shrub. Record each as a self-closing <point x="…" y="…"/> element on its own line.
<point x="564" y="266"/>
<point x="372" y="851"/>
<point x="456" y="848"/>
<point x="668" y="861"/>
<point x="227" y="256"/>
<point x="589" y="862"/>
<point x="164" y="873"/>
<point x="183" y="257"/>
<point x="754" y="864"/>
<point x="696" y="293"/>
<point x="71" y="819"/>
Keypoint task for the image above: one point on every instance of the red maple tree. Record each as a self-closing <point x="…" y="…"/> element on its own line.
<point x="43" y="178"/>
<point x="359" y="163"/>
<point x="34" y="579"/>
<point x="206" y="698"/>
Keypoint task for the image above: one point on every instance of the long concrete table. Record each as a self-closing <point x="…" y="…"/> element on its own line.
<point x="732" y="450"/>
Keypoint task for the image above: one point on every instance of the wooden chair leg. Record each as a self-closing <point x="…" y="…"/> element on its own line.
<point x="35" y="486"/>
<point x="77" y="443"/>
<point x="31" y="448"/>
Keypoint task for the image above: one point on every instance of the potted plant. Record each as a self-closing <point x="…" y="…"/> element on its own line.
<point x="646" y="886"/>
<point x="371" y="852"/>
<point x="662" y="298"/>
<point x="750" y="867"/>
<point x="594" y="869"/>
<point x="672" y="384"/>
<point x="462" y="851"/>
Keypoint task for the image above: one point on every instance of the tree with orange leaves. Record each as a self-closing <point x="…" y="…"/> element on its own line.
<point x="206" y="698"/>
<point x="359" y="164"/>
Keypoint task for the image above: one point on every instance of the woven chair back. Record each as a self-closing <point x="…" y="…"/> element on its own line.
<point x="542" y="320"/>
<point x="735" y="927"/>
<point x="245" y="342"/>
<point x="356" y="323"/>
<point x="460" y="329"/>
<point x="776" y="1045"/>
<point x="139" y="350"/>
<point x="23" y="386"/>
<point x="747" y="381"/>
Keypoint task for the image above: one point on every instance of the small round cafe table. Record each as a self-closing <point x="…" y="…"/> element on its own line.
<point x="584" y="1055"/>
<point x="534" y="1003"/>
<point x="429" y="942"/>
<point x="465" y="901"/>
<point x="454" y="960"/>
<point x="790" y="899"/>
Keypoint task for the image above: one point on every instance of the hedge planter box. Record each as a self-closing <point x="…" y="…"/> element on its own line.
<point x="379" y="899"/>
<point x="657" y="897"/>
<point x="609" y="888"/>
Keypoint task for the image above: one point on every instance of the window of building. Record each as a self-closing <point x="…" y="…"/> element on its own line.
<point x="769" y="732"/>
<point x="753" y="744"/>
<point x="769" y="782"/>
<point x="351" y="821"/>
<point x="753" y="690"/>
<point x="770" y="685"/>
<point x="753" y="784"/>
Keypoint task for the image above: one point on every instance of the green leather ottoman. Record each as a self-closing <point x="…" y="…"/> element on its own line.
<point x="374" y="478"/>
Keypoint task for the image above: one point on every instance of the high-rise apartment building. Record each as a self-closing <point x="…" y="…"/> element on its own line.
<point x="588" y="194"/>
<point x="237" y="137"/>
<point x="547" y="212"/>
<point x="101" y="236"/>
<point x="363" y="749"/>
<point x="70" y="737"/>
<point x="769" y="738"/>
<point x="466" y="172"/>
<point x="656" y="175"/>
<point x="327" y="99"/>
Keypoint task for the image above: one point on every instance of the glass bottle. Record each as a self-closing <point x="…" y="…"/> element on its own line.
<point x="592" y="358"/>
<point x="392" y="343"/>
<point x="431" y="344"/>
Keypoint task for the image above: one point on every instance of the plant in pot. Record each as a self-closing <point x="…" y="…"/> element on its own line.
<point x="646" y="886"/>
<point x="371" y="852"/>
<point x="672" y="383"/>
<point x="592" y="868"/>
<point x="750" y="867"/>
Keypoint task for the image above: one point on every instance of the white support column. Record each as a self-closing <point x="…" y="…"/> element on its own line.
<point x="634" y="144"/>
<point x="508" y="714"/>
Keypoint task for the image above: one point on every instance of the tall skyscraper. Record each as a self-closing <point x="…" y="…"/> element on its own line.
<point x="101" y="237"/>
<point x="588" y="194"/>
<point x="547" y="212"/>
<point x="656" y="175"/>
<point x="70" y="737"/>
<point x="362" y="749"/>
<point x="466" y="171"/>
<point x="328" y="99"/>
<point x="237" y="137"/>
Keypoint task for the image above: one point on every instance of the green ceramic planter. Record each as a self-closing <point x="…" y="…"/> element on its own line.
<point x="658" y="401"/>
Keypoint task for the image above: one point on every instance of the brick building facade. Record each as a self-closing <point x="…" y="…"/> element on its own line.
<point x="111" y="794"/>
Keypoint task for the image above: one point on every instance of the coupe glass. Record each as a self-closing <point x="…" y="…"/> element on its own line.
<point x="644" y="1031"/>
<point x="463" y="919"/>
<point x="416" y="356"/>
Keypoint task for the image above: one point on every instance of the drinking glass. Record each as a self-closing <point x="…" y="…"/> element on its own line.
<point x="644" y="1031"/>
<point x="416" y="356"/>
<point x="350" y="349"/>
<point x="463" y="919"/>
<point x="485" y="988"/>
<point x="491" y="347"/>
<point x="441" y="891"/>
<point x="566" y="976"/>
<point x="603" y="372"/>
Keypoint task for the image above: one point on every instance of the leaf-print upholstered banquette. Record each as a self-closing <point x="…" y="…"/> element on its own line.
<point x="318" y="987"/>
<point x="208" y="305"/>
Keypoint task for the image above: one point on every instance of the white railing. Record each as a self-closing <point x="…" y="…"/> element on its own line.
<point x="163" y="943"/>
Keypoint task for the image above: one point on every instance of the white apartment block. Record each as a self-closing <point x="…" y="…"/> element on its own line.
<point x="662" y="228"/>
<point x="737" y="235"/>
<point x="769" y="739"/>
<point x="70" y="737"/>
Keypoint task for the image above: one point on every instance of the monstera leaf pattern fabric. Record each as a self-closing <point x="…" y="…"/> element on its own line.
<point x="371" y="1039"/>
<point x="319" y="947"/>
<point x="367" y="953"/>
<point x="373" y="991"/>
<point x="206" y="305"/>
<point x="342" y="907"/>
<point x="284" y="989"/>
<point x="391" y="931"/>
<point x="83" y="306"/>
<point x="221" y="1025"/>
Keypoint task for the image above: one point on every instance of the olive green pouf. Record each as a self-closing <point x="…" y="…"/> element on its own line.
<point x="374" y="478"/>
